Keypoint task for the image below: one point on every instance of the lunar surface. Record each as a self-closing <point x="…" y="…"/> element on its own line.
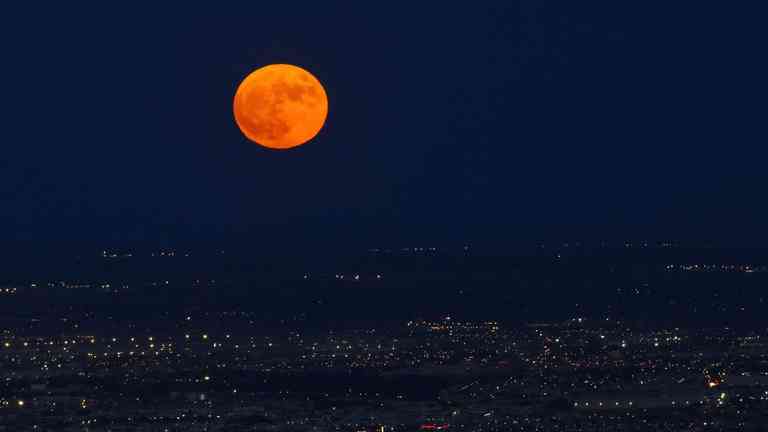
<point x="280" y="106"/>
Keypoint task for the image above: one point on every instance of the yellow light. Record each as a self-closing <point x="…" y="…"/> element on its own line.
<point x="20" y="403"/>
<point x="205" y="336"/>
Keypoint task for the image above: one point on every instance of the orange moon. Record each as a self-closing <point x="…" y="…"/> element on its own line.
<point x="280" y="106"/>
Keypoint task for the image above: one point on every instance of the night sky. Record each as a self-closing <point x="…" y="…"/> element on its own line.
<point x="447" y="124"/>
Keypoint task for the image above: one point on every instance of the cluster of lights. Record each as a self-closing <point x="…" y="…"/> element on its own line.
<point x="743" y="268"/>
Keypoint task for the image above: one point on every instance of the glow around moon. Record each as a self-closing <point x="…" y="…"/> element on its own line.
<point x="280" y="106"/>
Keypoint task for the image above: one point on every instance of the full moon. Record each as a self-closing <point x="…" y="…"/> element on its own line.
<point x="280" y="106"/>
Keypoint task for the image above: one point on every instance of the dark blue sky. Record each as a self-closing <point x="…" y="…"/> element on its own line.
<point x="476" y="122"/>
